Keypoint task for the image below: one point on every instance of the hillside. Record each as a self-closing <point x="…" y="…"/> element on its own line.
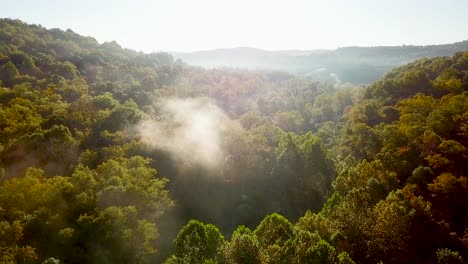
<point x="108" y="155"/>
<point x="356" y="65"/>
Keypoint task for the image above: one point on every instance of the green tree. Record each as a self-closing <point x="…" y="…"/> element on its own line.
<point x="447" y="256"/>
<point x="243" y="247"/>
<point x="8" y="74"/>
<point x="197" y="243"/>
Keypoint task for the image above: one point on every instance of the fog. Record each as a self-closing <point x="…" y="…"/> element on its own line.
<point x="189" y="129"/>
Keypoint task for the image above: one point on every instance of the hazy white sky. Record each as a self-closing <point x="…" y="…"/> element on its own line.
<point x="187" y="25"/>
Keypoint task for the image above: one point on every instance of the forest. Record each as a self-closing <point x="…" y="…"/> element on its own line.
<point x="109" y="155"/>
<point x="355" y="65"/>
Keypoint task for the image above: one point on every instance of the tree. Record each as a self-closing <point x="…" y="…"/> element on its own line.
<point x="94" y="216"/>
<point x="290" y="121"/>
<point x="447" y="256"/>
<point x="243" y="247"/>
<point x="273" y="230"/>
<point x="8" y="73"/>
<point x="197" y="243"/>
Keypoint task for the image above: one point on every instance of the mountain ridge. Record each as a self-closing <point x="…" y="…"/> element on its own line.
<point x="354" y="64"/>
<point x="292" y="50"/>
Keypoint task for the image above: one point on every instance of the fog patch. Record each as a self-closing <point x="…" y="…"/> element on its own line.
<point x="189" y="129"/>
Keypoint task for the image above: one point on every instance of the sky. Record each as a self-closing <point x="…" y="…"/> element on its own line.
<point x="191" y="25"/>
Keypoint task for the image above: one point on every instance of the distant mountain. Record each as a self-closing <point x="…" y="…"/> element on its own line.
<point x="357" y="65"/>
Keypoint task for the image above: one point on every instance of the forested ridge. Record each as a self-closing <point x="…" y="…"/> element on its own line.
<point x="356" y="65"/>
<point x="109" y="155"/>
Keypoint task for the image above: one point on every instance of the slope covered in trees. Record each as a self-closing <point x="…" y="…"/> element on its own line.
<point x="106" y="153"/>
<point x="356" y="65"/>
<point x="400" y="194"/>
<point x="73" y="108"/>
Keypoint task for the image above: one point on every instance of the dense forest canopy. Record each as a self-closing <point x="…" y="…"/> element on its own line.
<point x="108" y="155"/>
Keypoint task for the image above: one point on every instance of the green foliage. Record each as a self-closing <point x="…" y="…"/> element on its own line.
<point x="243" y="247"/>
<point x="198" y="243"/>
<point x="290" y="121"/>
<point x="373" y="174"/>
<point x="446" y="256"/>
<point x="52" y="214"/>
<point x="105" y="101"/>
<point x="412" y="178"/>
<point x="344" y="258"/>
<point x="322" y="253"/>
<point x="273" y="230"/>
<point x="303" y="170"/>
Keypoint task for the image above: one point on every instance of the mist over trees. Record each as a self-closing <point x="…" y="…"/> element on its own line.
<point x="355" y="65"/>
<point x="108" y="155"/>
